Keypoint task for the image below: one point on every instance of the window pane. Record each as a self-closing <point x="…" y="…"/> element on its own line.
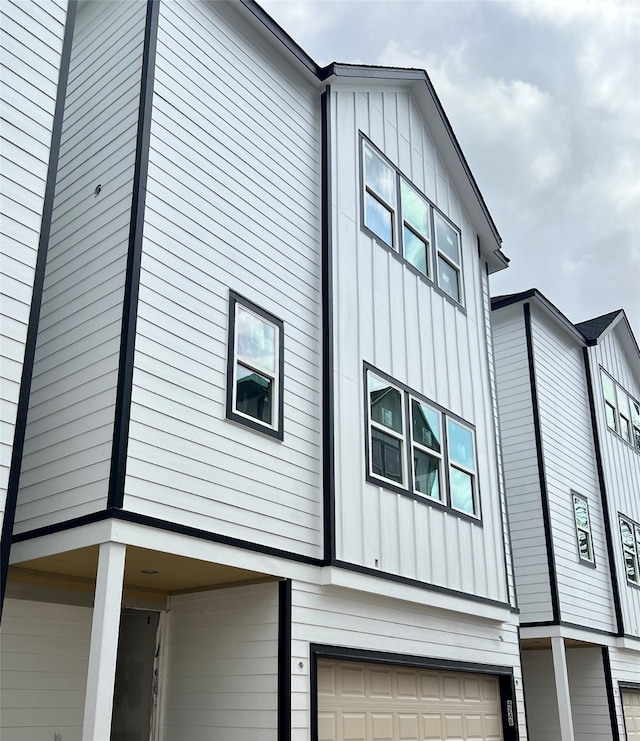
<point x="378" y="218"/>
<point x="637" y="529"/>
<point x="636" y="435"/>
<point x="415" y="251"/>
<point x="625" y="430"/>
<point x="415" y="210"/>
<point x="584" y="545"/>
<point x="448" y="279"/>
<point x="386" y="455"/>
<point x="427" y="474"/>
<point x="254" y="394"/>
<point x="635" y="413"/>
<point x="386" y="404"/>
<point x="379" y="176"/>
<point x="580" y="508"/>
<point x="631" y="565"/>
<point x="609" y="389"/>
<point x="461" y="491"/>
<point x="611" y="416"/>
<point x="622" y="400"/>
<point x="447" y="239"/>
<point x="460" y="445"/>
<point x="626" y="533"/>
<point x="256" y="343"/>
<point x="426" y="425"/>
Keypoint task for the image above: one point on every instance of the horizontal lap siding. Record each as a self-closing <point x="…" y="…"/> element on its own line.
<point x="386" y="315"/>
<point x="44" y="654"/>
<point x="232" y="203"/>
<point x="625" y="667"/>
<point x="71" y="414"/>
<point x="221" y="676"/>
<point x="589" y="705"/>
<point x="569" y="458"/>
<point x="31" y="46"/>
<point x="337" y="617"/>
<point x="542" y="700"/>
<point x="620" y="462"/>
<point x="520" y="465"/>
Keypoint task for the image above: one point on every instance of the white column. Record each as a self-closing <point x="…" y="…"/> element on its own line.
<point x="105" y="626"/>
<point x="562" y="688"/>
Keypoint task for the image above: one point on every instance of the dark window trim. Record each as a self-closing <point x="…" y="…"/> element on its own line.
<point x="276" y="431"/>
<point x="616" y="432"/>
<point x="584" y="561"/>
<point x="634" y="526"/>
<point x="284" y="660"/>
<point x="407" y="490"/>
<point x="397" y="249"/>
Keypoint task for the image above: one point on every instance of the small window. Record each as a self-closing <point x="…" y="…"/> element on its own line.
<point x="386" y="429"/>
<point x="630" y="549"/>
<point x="255" y="367"/>
<point x="462" y="467"/>
<point x="448" y="248"/>
<point x="583" y="529"/>
<point x="379" y="196"/>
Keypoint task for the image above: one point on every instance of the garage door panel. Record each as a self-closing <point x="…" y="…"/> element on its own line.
<point x="631" y="707"/>
<point x="408" y="727"/>
<point x="382" y="726"/>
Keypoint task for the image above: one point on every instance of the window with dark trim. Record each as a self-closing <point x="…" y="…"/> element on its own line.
<point x="622" y="411"/>
<point x="583" y="528"/>
<point x="416" y="447"/>
<point x="255" y="378"/>
<point x="630" y="537"/>
<point x="397" y="215"/>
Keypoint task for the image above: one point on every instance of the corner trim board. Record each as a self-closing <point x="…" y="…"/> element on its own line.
<point x="36" y="302"/>
<point x="284" y="660"/>
<point x="611" y="700"/>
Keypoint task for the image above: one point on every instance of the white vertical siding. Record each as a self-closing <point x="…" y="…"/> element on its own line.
<point x="386" y="315"/>
<point x="71" y="412"/>
<point x="520" y="465"/>
<point x="589" y="704"/>
<point x="44" y="654"/>
<point x="221" y="676"/>
<point x="30" y="46"/>
<point x="337" y="617"/>
<point x="625" y="667"/>
<point x="232" y="203"/>
<point x="621" y="463"/>
<point x="569" y="459"/>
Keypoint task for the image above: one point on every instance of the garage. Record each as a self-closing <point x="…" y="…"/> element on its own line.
<point x="631" y="707"/>
<point x="376" y="702"/>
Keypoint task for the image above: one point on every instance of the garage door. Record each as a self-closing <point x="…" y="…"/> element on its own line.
<point x="372" y="702"/>
<point x="631" y="705"/>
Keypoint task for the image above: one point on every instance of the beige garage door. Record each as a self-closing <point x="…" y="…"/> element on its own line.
<point x="371" y="702"/>
<point x="631" y="705"/>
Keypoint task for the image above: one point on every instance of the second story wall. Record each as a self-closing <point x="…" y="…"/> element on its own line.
<point x="233" y="205"/>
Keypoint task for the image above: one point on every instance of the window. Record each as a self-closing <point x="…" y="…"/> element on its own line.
<point x="255" y="367"/>
<point x="583" y="529"/>
<point x="630" y="535"/>
<point x="403" y="219"/>
<point x="622" y="412"/>
<point x="417" y="448"/>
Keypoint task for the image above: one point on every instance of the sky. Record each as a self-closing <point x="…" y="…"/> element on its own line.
<point x="544" y="98"/>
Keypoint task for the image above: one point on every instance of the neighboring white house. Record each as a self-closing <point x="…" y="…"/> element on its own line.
<point x="569" y="404"/>
<point x="255" y="489"/>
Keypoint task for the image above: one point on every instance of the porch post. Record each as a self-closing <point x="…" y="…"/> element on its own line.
<point x="105" y="626"/>
<point x="562" y="688"/>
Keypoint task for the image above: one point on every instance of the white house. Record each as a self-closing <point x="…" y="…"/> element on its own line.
<point x="255" y="489"/>
<point x="570" y="424"/>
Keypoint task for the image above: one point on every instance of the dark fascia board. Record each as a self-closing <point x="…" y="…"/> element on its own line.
<point x="441" y="128"/>
<point x="533" y="294"/>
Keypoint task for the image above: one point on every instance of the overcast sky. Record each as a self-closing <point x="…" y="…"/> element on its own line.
<point x="544" y="97"/>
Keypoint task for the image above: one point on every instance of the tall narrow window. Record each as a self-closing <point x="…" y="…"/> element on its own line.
<point x="254" y="369"/>
<point x="609" y="391"/>
<point x="386" y="430"/>
<point x="635" y="422"/>
<point x="583" y="528"/>
<point x="379" y="196"/>
<point x="427" y="449"/>
<point x="462" y="467"/>
<point x="415" y="228"/>
<point x="630" y="549"/>
<point x="623" y="411"/>
<point x="448" y="260"/>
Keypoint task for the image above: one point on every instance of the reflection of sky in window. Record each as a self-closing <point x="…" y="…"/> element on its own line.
<point x="581" y="512"/>
<point x="447" y="239"/>
<point x="448" y="279"/>
<point x="609" y="389"/>
<point x="415" y="251"/>
<point x="256" y="342"/>
<point x="461" y="491"/>
<point x="378" y="218"/>
<point x="460" y="445"/>
<point x="426" y="426"/>
<point x="414" y="209"/>
<point x="627" y="535"/>
<point x="379" y="176"/>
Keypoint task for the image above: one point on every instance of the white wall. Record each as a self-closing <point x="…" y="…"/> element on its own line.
<point x="589" y="703"/>
<point x="31" y="47"/>
<point x="540" y="690"/>
<point x="386" y="315"/>
<point x="69" y="433"/>
<point x="233" y="203"/>
<point x="221" y="674"/>
<point x="44" y="654"/>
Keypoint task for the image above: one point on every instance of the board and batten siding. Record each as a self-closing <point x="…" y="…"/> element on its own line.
<point x="221" y="669"/>
<point x="31" y="47"/>
<point x="339" y="617"/>
<point x="69" y="433"/>
<point x="522" y="481"/>
<point x="44" y="654"/>
<point x="386" y="315"/>
<point x="625" y="667"/>
<point x="233" y="203"/>
<point x="620" y="461"/>
<point x="570" y="465"/>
